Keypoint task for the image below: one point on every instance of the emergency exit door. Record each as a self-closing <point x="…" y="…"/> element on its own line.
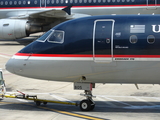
<point x="103" y="40"/>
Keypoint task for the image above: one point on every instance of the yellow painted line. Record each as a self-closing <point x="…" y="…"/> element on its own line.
<point x="58" y="111"/>
<point x="72" y="114"/>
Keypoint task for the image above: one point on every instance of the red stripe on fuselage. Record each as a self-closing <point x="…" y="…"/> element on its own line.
<point x="76" y="55"/>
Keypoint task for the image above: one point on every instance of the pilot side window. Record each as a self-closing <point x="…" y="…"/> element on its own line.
<point x="56" y="37"/>
<point x="44" y="36"/>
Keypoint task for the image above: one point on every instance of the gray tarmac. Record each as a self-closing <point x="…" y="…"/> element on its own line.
<point x="113" y="101"/>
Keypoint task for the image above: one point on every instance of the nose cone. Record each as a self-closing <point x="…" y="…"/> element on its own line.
<point x="10" y="65"/>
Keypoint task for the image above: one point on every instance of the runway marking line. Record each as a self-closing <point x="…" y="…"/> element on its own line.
<point x="72" y="114"/>
<point x="59" y="111"/>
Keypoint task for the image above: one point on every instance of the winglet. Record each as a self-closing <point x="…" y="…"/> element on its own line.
<point x="68" y="9"/>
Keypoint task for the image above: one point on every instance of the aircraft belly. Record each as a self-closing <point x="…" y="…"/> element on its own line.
<point x="70" y="71"/>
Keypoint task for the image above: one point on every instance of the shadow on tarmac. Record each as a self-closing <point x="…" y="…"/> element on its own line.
<point x="138" y="107"/>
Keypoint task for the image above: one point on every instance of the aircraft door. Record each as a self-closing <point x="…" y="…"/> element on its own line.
<point x="42" y="3"/>
<point x="151" y="4"/>
<point x="103" y="40"/>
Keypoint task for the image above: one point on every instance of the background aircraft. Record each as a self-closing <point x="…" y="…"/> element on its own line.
<point x="20" y="18"/>
<point x="99" y="49"/>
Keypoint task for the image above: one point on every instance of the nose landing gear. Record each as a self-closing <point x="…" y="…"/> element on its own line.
<point x="87" y="104"/>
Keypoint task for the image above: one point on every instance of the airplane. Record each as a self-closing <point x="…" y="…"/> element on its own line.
<point x="20" y="18"/>
<point x="97" y="49"/>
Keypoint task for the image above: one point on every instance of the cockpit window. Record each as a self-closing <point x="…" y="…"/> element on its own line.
<point x="56" y="37"/>
<point x="44" y="36"/>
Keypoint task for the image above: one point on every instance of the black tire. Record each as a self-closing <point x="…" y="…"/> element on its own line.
<point x="38" y="103"/>
<point x="85" y="105"/>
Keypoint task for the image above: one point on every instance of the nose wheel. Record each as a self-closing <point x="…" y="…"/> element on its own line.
<point x="86" y="105"/>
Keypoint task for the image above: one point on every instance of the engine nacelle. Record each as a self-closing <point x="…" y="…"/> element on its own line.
<point x="11" y="29"/>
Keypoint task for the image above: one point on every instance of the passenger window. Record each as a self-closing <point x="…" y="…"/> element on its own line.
<point x="44" y="36"/>
<point x="1" y="2"/>
<point x="71" y="1"/>
<point x="94" y="1"/>
<point x="24" y="2"/>
<point x="150" y="39"/>
<point x="57" y="37"/>
<point x="133" y="39"/>
<point x="29" y="2"/>
<point x="80" y="1"/>
<point x="108" y="0"/>
<point x="10" y="2"/>
<point x="15" y="2"/>
<point x="104" y="1"/>
<point x="48" y="1"/>
<point x="35" y="2"/>
<point x="19" y="2"/>
<point x="62" y="1"/>
<point x="6" y="3"/>
<point x="52" y="1"/>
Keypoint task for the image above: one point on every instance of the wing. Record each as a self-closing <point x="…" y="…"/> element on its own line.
<point x="64" y="13"/>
